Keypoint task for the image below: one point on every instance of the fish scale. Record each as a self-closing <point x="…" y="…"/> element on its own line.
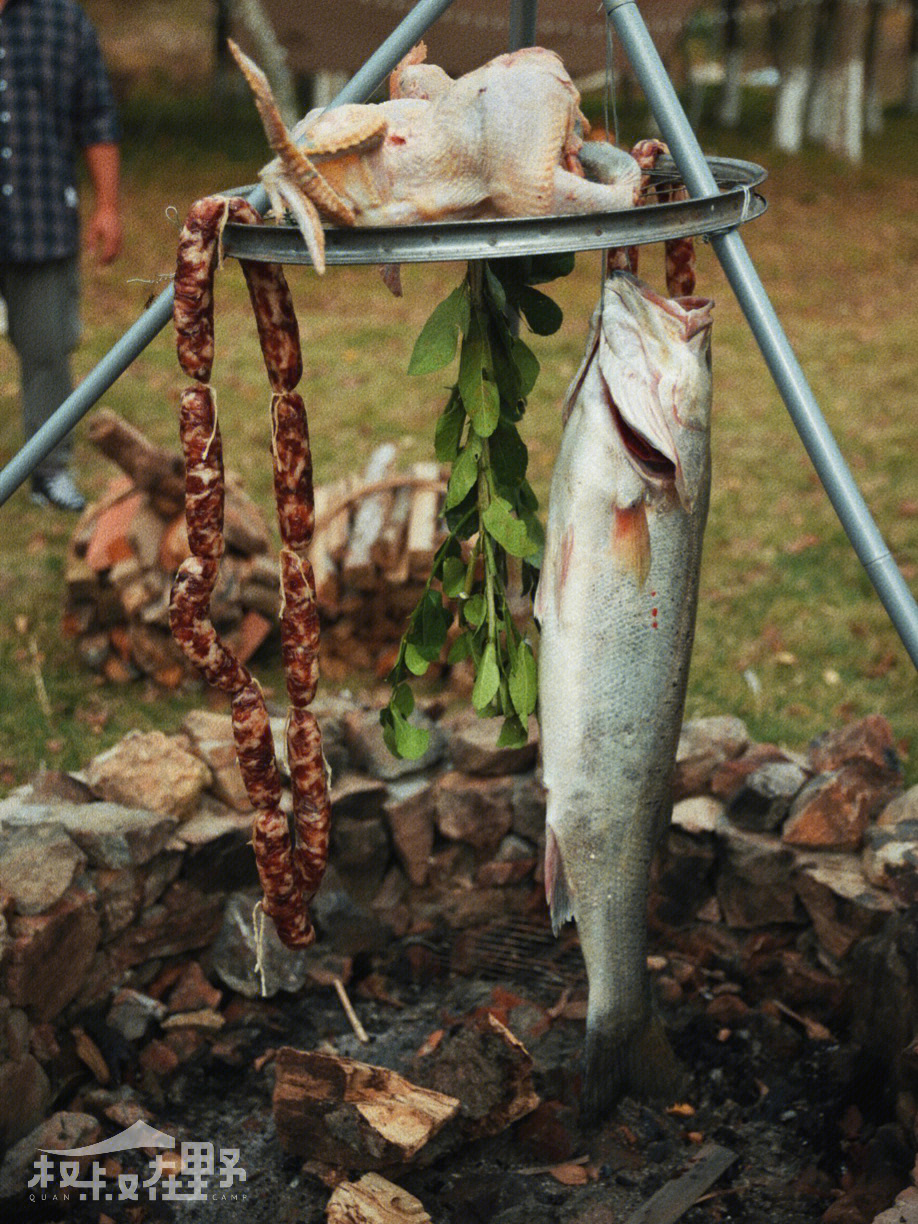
<point x="616" y="608"/>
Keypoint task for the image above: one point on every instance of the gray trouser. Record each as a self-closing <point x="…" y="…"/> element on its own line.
<point x="43" y="302"/>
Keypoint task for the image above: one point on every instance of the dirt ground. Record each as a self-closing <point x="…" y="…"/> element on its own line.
<point x="799" y="1108"/>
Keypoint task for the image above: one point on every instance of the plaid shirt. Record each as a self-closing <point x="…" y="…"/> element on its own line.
<point x="55" y="98"/>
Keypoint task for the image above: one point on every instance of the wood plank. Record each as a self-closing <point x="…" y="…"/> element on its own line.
<point x="672" y="1201"/>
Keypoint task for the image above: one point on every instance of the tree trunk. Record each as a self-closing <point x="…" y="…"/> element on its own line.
<point x="845" y="128"/>
<point x="270" y="55"/>
<point x="873" y="104"/>
<point x="797" y="44"/>
<point x="732" y="96"/>
<point x="819" y="104"/>
<point x="911" y="89"/>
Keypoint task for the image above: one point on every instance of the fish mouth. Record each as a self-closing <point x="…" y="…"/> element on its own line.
<point x="646" y="457"/>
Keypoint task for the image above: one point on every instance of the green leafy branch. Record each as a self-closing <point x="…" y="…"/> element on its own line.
<point x="490" y="508"/>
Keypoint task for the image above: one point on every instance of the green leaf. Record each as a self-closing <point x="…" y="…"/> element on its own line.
<point x="474" y="610"/>
<point x="432" y="621"/>
<point x="487" y="681"/>
<point x="448" y="432"/>
<point x="496" y="291"/>
<point x="524" y="682"/>
<point x="453" y="578"/>
<point x="544" y="268"/>
<point x="509" y="532"/>
<point x="527" y="365"/>
<point x="541" y="313"/>
<point x="512" y="734"/>
<point x="402" y="700"/>
<point x="464" y="473"/>
<point x="460" y="649"/>
<point x="476" y="386"/>
<point x="509" y="456"/>
<point x="435" y="347"/>
<point x="402" y="738"/>
<point x="415" y="661"/>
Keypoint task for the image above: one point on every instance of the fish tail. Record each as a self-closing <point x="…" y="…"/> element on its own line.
<point x="641" y="1065"/>
<point x="557" y="893"/>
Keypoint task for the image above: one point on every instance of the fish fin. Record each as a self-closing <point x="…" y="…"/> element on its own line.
<point x="557" y="894"/>
<point x="631" y="540"/>
<point x="641" y="1065"/>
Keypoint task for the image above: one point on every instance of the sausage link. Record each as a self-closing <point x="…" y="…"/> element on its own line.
<point x="311" y="803"/>
<point x="299" y="629"/>
<point x="189" y="605"/>
<point x="280" y="882"/>
<point x="200" y="435"/>
<point x="193" y="308"/>
<point x="272" y="305"/>
<point x="255" y="747"/>
<point x="292" y="470"/>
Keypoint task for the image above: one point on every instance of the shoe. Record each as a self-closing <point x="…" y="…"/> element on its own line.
<point x="57" y="490"/>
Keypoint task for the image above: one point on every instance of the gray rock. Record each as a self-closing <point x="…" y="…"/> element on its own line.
<point x="903" y="807"/>
<point x="704" y="743"/>
<point x="49" y="955"/>
<point x="355" y="796"/>
<point x="842" y="903"/>
<point x="890" y="859"/>
<point x="346" y="926"/>
<point x="25" y="1095"/>
<point x="37" y="866"/>
<point x="410" y="812"/>
<point x="698" y="814"/>
<point x="473" y="746"/>
<point x="234" y="955"/>
<point x="764" y="800"/>
<point x="361" y="852"/>
<point x="109" y="834"/>
<point x="62" y="1130"/>
<point x="754" y="882"/>
<point x="364" y="738"/>
<point x="527" y="804"/>
<point x="474" y="810"/>
<point x="132" y="1013"/>
<point x="158" y="769"/>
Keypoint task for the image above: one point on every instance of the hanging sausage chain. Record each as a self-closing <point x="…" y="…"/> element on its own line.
<point x="290" y="868"/>
<point x="679" y="253"/>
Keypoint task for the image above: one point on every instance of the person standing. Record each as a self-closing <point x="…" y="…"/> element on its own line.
<point x="55" y="101"/>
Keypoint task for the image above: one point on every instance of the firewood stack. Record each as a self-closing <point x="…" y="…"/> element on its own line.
<point x="124" y="552"/>
<point x="376" y="536"/>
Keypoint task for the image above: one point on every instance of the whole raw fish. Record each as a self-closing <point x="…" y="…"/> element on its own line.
<point x="616" y="607"/>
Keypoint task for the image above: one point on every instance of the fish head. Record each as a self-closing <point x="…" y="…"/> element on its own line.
<point x="654" y="357"/>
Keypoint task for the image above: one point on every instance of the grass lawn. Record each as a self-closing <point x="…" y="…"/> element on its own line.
<point x="790" y="635"/>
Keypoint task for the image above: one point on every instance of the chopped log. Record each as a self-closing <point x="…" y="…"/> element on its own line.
<point x="357" y="568"/>
<point x="353" y="1115"/>
<point x="157" y="471"/>
<point x="388" y="552"/>
<point x="373" y="1200"/>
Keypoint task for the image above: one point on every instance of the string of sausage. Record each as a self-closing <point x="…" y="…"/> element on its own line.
<point x="290" y="867"/>
<point x="679" y="253"/>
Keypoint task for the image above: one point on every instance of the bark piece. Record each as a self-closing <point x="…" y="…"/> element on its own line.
<point x="357" y="567"/>
<point x="373" y="1200"/>
<point x="153" y="468"/>
<point x="353" y="1115"/>
<point x="422" y="522"/>
<point x="488" y="1069"/>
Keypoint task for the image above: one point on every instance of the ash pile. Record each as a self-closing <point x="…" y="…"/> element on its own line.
<point x="375" y="540"/>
